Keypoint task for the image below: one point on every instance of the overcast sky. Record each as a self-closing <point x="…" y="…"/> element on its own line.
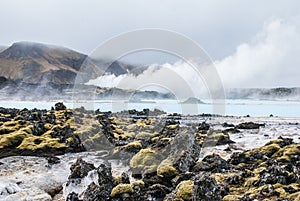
<point x="228" y="30"/>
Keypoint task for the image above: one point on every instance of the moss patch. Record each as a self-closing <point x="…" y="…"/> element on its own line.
<point x="121" y="189"/>
<point x="185" y="190"/>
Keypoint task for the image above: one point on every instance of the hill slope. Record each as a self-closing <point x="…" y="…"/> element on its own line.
<point x="35" y="63"/>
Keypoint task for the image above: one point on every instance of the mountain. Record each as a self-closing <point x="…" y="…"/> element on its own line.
<point x="37" y="63"/>
<point x="280" y="93"/>
<point x="2" y="48"/>
<point x="29" y="70"/>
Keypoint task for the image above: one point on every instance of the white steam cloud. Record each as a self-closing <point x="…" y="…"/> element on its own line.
<point x="271" y="59"/>
<point x="180" y="79"/>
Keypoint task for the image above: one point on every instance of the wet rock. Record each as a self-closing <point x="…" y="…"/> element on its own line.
<point x="206" y="188"/>
<point x="60" y="106"/>
<point x="212" y="163"/>
<point x="105" y="178"/>
<point x="95" y="193"/>
<point x="225" y="125"/>
<point x="203" y="126"/>
<point x="80" y="169"/>
<point x="186" y="150"/>
<point x="249" y="125"/>
<point x="157" y="192"/>
<point x="217" y="138"/>
<point x="122" y="191"/>
<point x="73" y="197"/>
<point x="53" y="160"/>
<point x="38" y="129"/>
<point x="274" y="174"/>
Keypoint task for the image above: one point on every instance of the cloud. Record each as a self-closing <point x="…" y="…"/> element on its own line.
<point x="179" y="79"/>
<point x="271" y="59"/>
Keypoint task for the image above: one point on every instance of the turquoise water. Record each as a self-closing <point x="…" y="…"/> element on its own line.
<point x="230" y="107"/>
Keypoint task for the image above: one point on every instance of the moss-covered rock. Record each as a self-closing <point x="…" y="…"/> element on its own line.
<point x="121" y="189"/>
<point x="145" y="161"/>
<point x="185" y="190"/>
<point x="166" y="169"/>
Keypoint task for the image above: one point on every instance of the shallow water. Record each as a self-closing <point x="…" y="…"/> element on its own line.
<point x="228" y="107"/>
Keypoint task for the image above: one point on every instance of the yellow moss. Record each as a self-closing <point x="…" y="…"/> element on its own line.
<point x="10" y="126"/>
<point x="71" y="122"/>
<point x="144" y="135"/>
<point x="166" y="169"/>
<point x="136" y="144"/>
<point x="249" y="181"/>
<point x="287" y="151"/>
<point x="138" y="183"/>
<point x="141" y="123"/>
<point x="145" y="159"/>
<point x="131" y="127"/>
<point x="154" y="139"/>
<point x="219" y="177"/>
<point x="166" y="139"/>
<point x="232" y="197"/>
<point x="172" y="127"/>
<point x="118" y="179"/>
<point x="16" y="137"/>
<point x="121" y="189"/>
<point x="70" y="139"/>
<point x="112" y="120"/>
<point x="28" y="129"/>
<point x="294" y="196"/>
<point x="185" y="190"/>
<point x="10" y="123"/>
<point x="118" y="131"/>
<point x="45" y="142"/>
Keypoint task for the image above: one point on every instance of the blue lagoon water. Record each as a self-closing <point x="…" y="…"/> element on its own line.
<point x="228" y="107"/>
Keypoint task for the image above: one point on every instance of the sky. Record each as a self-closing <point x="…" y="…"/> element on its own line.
<point x="247" y="37"/>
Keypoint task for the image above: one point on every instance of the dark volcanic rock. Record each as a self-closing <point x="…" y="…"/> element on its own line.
<point x="207" y="189"/>
<point x="95" y="193"/>
<point x="80" y="169"/>
<point x="212" y="163"/>
<point x="249" y="125"/>
<point x="60" y="106"/>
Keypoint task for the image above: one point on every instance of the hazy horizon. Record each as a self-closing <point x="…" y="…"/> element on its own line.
<point x="252" y="44"/>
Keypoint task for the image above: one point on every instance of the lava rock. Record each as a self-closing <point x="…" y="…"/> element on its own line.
<point x="249" y="125"/>
<point x="203" y="126"/>
<point x="80" y="169"/>
<point x="212" y="163"/>
<point x="206" y="188"/>
<point x="60" y="106"/>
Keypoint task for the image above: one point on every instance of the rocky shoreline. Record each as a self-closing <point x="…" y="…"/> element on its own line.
<point x="146" y="155"/>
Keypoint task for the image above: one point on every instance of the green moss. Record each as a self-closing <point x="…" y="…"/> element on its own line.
<point x="172" y="127"/>
<point x="9" y="127"/>
<point x="12" y="139"/>
<point x="138" y="183"/>
<point x="185" y="190"/>
<point x="219" y="177"/>
<point x="70" y="140"/>
<point x="232" y="197"/>
<point x="146" y="160"/>
<point x="166" y="169"/>
<point x="287" y="151"/>
<point x="121" y="189"/>
<point x="28" y="129"/>
<point x="294" y="196"/>
<point x="135" y="144"/>
<point x="45" y="142"/>
<point x="145" y="135"/>
<point x="166" y="139"/>
<point x="154" y="139"/>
